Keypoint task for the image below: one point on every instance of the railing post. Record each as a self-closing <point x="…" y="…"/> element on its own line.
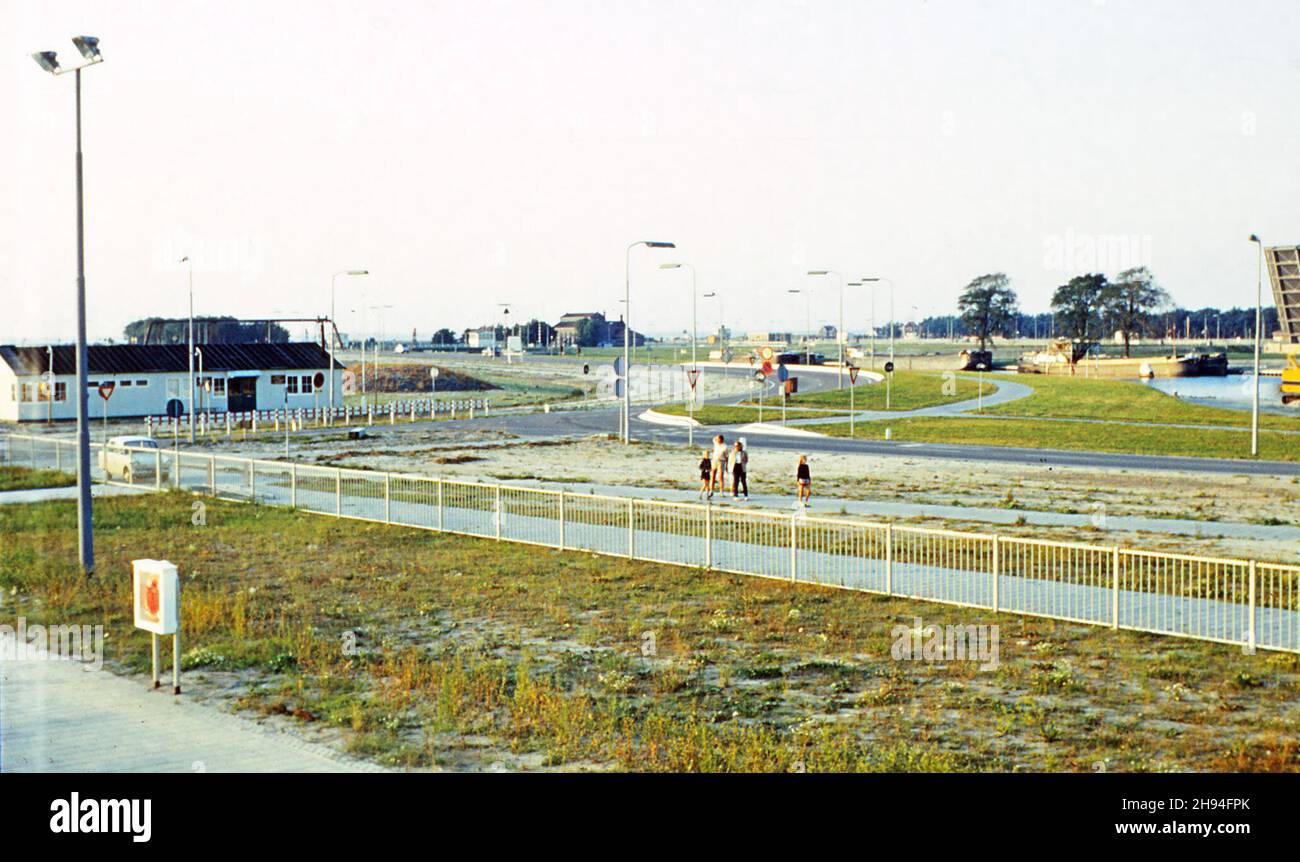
<point x="631" y="528"/>
<point x="293" y="485"/>
<point x="157" y="467"/>
<point x="997" y="569"/>
<point x="496" y="505"/>
<point x="562" y="537"/>
<point x="176" y="471"/>
<point x="889" y="559"/>
<point x="212" y="474"/>
<point x="252" y="481"/>
<point x="388" y="498"/>
<point x="58" y="456"/>
<point x="338" y="492"/>
<point x="439" y="502"/>
<point x="794" y="547"/>
<point x="708" y="536"/>
<point x="1250" y="631"/>
<point x="1114" y="587"/>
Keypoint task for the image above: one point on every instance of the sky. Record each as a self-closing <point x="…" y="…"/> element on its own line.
<point x="475" y="153"/>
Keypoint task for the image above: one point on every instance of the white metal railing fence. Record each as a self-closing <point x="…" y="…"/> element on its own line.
<point x="209" y="422"/>
<point x="1255" y="604"/>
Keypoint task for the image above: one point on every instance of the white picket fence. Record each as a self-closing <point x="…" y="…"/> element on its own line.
<point x="1247" y="602"/>
<point x="209" y="422"/>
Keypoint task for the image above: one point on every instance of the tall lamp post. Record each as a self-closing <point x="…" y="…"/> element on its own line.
<point x="839" y="379"/>
<point x="690" y="429"/>
<point x="334" y="326"/>
<point x="877" y="279"/>
<point x="627" y="331"/>
<point x="1259" y="317"/>
<point x="88" y="47"/>
<point x="807" y="323"/>
<point x="190" y="408"/>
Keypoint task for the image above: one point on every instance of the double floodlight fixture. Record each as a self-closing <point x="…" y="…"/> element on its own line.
<point x="87" y="45"/>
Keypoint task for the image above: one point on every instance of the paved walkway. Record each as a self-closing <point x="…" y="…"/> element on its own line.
<point x="57" y="716"/>
<point x="67" y="492"/>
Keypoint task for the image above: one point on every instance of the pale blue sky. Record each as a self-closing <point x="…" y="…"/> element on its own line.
<point x="471" y="153"/>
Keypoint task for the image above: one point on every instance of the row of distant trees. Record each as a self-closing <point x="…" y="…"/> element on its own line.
<point x="210" y="330"/>
<point x="1092" y="307"/>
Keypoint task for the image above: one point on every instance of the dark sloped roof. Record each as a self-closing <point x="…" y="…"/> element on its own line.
<point x="145" y="358"/>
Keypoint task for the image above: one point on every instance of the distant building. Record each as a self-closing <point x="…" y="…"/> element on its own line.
<point x="604" y="333"/>
<point x="827" y="332"/>
<point x="769" y="337"/>
<point x="485" y="338"/>
<point x="146" y="378"/>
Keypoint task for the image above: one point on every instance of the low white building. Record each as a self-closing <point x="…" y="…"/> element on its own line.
<point x="146" y="378"/>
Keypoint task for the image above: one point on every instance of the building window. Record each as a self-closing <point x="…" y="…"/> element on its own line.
<point x="124" y="383"/>
<point x="219" y="387"/>
<point x="60" y="391"/>
<point x="27" y="392"/>
<point x="306" y="384"/>
<point x="142" y="383"/>
<point x="292" y="385"/>
<point x="277" y="379"/>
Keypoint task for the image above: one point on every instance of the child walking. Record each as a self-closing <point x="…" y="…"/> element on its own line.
<point x="739" y="466"/>
<point x="803" y="478"/>
<point x="706" y="481"/>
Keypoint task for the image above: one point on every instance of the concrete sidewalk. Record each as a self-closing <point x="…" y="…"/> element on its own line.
<point x="58" y="716"/>
<point x="66" y="492"/>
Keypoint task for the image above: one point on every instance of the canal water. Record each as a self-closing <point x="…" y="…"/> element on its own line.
<point x="1233" y="391"/>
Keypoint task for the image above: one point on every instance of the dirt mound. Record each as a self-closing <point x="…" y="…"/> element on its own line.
<point x="415" y="378"/>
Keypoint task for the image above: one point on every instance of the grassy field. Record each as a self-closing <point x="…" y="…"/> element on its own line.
<point x="23" y="479"/>
<point x="910" y="390"/>
<point x="1123" y="400"/>
<point x="1083" y="436"/>
<point x="419" y="650"/>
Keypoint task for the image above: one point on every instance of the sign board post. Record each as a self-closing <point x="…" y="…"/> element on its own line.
<point x="853" y="379"/>
<point x="106" y="392"/>
<point x="156" y="592"/>
<point x="433" y="378"/>
<point x="889" y="379"/>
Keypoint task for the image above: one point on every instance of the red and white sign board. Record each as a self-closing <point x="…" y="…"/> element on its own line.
<point x="853" y="374"/>
<point x="693" y="375"/>
<point x="156" y="588"/>
<point x="767" y="353"/>
<point x="106" y="389"/>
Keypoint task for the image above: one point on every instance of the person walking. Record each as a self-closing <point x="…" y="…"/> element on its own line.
<point x="719" y="476"/>
<point x="739" y="466"/>
<point x="803" y="478"/>
<point x="706" y="469"/>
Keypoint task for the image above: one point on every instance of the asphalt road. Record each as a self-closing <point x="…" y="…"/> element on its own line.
<point x="575" y="423"/>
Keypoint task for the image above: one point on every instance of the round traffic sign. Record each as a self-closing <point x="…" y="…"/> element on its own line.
<point x="889" y="368"/>
<point x="319" y="379"/>
<point x="433" y="371"/>
<point x="767" y="353"/>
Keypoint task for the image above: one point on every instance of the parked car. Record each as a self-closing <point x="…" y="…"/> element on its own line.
<point x="121" y="458"/>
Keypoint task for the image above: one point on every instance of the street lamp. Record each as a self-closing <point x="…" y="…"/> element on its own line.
<point x="88" y="47"/>
<point x="1254" y="402"/>
<point x="876" y="279"/>
<point x="690" y="429"/>
<point x="627" y="329"/>
<point x="807" y="324"/>
<point x="190" y="409"/>
<point x="839" y="380"/>
<point x="334" y="326"/>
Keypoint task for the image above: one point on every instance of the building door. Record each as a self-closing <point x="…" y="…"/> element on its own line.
<point x="241" y="394"/>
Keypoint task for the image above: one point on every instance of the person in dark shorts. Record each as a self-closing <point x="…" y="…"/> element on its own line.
<point x="706" y="475"/>
<point x="803" y="477"/>
<point x="739" y="466"/>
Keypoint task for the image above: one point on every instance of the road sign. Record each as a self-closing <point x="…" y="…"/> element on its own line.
<point x="726" y="356"/>
<point x="319" y="379"/>
<point x="767" y="367"/>
<point x="693" y="375"/>
<point x="433" y="371"/>
<point x="618" y="366"/>
<point x="767" y="353"/>
<point x="157" y="596"/>
<point x="853" y="374"/>
<point x="106" y="389"/>
<point x="175" y="409"/>
<point x="751" y="359"/>
<point x="889" y="368"/>
<point x="760" y="376"/>
<point x="782" y="373"/>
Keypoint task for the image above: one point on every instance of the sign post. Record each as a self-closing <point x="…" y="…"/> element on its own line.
<point x="156" y="590"/>
<point x="783" y="375"/>
<point x="853" y="379"/>
<point x="889" y="379"/>
<point x="106" y="392"/>
<point x="693" y="377"/>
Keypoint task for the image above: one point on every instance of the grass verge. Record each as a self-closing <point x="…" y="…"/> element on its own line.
<point x="26" y="479"/>
<point x="420" y="649"/>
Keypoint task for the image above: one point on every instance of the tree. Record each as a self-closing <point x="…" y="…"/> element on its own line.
<point x="1077" y="305"/>
<point x="444" y="337"/>
<point x="1129" y="302"/>
<point x="591" y="330"/>
<point x="988" y="305"/>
